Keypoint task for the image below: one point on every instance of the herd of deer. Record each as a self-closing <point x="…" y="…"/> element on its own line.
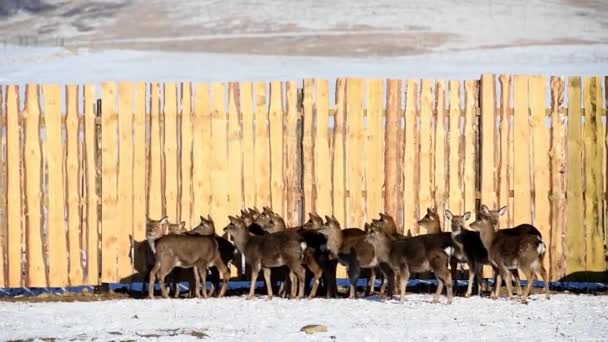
<point x="265" y="242"/>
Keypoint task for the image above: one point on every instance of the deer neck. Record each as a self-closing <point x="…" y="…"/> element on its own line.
<point x="487" y="236"/>
<point x="381" y="247"/>
<point x="241" y="237"/>
<point x="334" y="240"/>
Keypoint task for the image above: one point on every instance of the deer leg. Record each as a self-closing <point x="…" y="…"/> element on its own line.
<point x="497" y="285"/>
<point x="442" y="274"/>
<point x="515" y="274"/>
<point x="293" y="284"/>
<point x="472" y="273"/>
<point x="223" y="269"/>
<point x="268" y="282"/>
<point x="530" y="276"/>
<point x="203" y="279"/>
<point x="197" y="285"/>
<point x="164" y="289"/>
<point x="152" y="280"/>
<point x="404" y="275"/>
<point x="372" y="282"/>
<point x="353" y="276"/>
<point x="507" y="275"/>
<point x="317" y="272"/>
<point x="300" y="272"/>
<point x="255" y="270"/>
<point x="543" y="274"/>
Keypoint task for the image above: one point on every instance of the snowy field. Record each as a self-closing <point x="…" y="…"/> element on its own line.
<point x="565" y="317"/>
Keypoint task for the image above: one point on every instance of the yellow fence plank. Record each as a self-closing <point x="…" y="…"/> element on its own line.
<point x="290" y="157"/>
<point x="13" y="197"/>
<point x="440" y="168"/>
<point x="594" y="231"/>
<point x="392" y="150"/>
<point x="455" y="198"/>
<point x="521" y="164"/>
<point x="374" y="152"/>
<point x="185" y="192"/>
<point x="308" y="169"/>
<point x="125" y="179"/>
<point x="36" y="270"/>
<point x="322" y="160"/>
<point x="3" y="191"/>
<point x="155" y="206"/>
<point x="504" y="163"/>
<point x="235" y="191"/>
<point x="171" y="180"/>
<point x="57" y="245"/>
<point x="541" y="141"/>
<point x="201" y="153"/>
<point x="411" y="164"/>
<point x="249" y="185"/>
<point x="470" y="103"/>
<point x="354" y="149"/>
<point x="73" y="200"/>
<point x="338" y="153"/>
<point x="275" y="117"/>
<point x="219" y="212"/>
<point x="426" y="153"/>
<point x="488" y="135"/>
<point x="558" y="188"/>
<point x="91" y="180"/>
<point x="139" y="163"/>
<point x="262" y="147"/>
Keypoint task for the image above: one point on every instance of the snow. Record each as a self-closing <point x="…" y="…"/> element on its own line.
<point x="563" y="317"/>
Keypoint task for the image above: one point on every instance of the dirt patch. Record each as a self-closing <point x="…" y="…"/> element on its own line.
<point x="67" y="297"/>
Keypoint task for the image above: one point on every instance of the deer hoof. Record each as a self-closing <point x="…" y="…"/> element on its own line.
<point x="248" y="297"/>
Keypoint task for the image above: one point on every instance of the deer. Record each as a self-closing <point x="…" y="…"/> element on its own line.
<point x="187" y="251"/>
<point x="267" y="251"/>
<point x="389" y="226"/>
<point x="422" y="253"/>
<point x="515" y="248"/>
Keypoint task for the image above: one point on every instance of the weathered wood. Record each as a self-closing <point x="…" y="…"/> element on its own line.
<point x="73" y="200"/>
<point x="488" y="134"/>
<point x="541" y="141"/>
<point x="219" y="184"/>
<point x="171" y="180"/>
<point x="235" y="191"/>
<point x="392" y="147"/>
<point x="308" y="166"/>
<point x="249" y="184"/>
<point x="470" y="103"/>
<point x="110" y="215"/>
<point x="558" y="188"/>
<point x="185" y="198"/>
<point x="594" y="230"/>
<point x="3" y="192"/>
<point x="440" y="167"/>
<point x="290" y="157"/>
<point x="275" y="117"/>
<point x="338" y="153"/>
<point x="125" y="180"/>
<point x="522" y="212"/>
<point x="33" y="183"/>
<point x="139" y="163"/>
<point x="504" y="163"/>
<point x="455" y="192"/>
<point x="411" y="167"/>
<point x="354" y="151"/>
<point x="426" y="186"/>
<point x="14" y="230"/>
<point x="155" y="206"/>
<point x="201" y="153"/>
<point x="92" y="244"/>
<point x="374" y="176"/>
<point x="322" y="161"/>
<point x="262" y="147"/>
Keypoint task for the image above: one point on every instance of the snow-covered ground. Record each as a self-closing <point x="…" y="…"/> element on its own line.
<point x="565" y="317"/>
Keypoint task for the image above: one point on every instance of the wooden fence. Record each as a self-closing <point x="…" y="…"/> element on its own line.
<point x="79" y="177"/>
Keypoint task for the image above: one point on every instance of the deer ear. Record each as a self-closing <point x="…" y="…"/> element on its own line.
<point x="502" y="211"/>
<point x="448" y="214"/>
<point x="164" y="220"/>
<point x="466" y="215"/>
<point x="148" y="221"/>
<point x="328" y="219"/>
<point x="485" y="210"/>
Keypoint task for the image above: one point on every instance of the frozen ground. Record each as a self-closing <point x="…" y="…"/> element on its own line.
<point x="565" y="317"/>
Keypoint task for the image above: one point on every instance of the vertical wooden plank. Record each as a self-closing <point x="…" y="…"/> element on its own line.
<point x="558" y="188"/>
<point x="249" y="184"/>
<point x="488" y="133"/>
<point x="91" y="180"/>
<point x="308" y="165"/>
<point x="57" y="247"/>
<point x="33" y="184"/>
<point x="3" y="193"/>
<point x="321" y="145"/>
<point x="411" y="166"/>
<point x="338" y="153"/>
<point x="72" y="159"/>
<point x="575" y="234"/>
<point x="374" y="176"/>
<point x="262" y="147"/>
<point x="139" y="163"/>
<point x="290" y="159"/>
<point x="219" y="212"/>
<point x="155" y="207"/>
<point x="440" y="175"/>
<point x="235" y="191"/>
<point x="426" y="153"/>
<point x="201" y="153"/>
<point x="354" y="150"/>
<point x="170" y="150"/>
<point x="522" y="212"/>
<point x="392" y="147"/>
<point x="125" y="179"/>
<point x="13" y="187"/>
<point x="470" y="103"/>
<point x="593" y="175"/>
<point x="542" y="166"/>
<point x="455" y="192"/>
<point x="504" y="163"/>
<point x="275" y="117"/>
<point x="606" y="160"/>
<point x="185" y="199"/>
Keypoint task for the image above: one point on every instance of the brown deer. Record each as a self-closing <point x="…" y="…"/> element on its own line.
<point x="205" y="227"/>
<point x="512" y="249"/>
<point x="267" y="251"/>
<point x="431" y="221"/>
